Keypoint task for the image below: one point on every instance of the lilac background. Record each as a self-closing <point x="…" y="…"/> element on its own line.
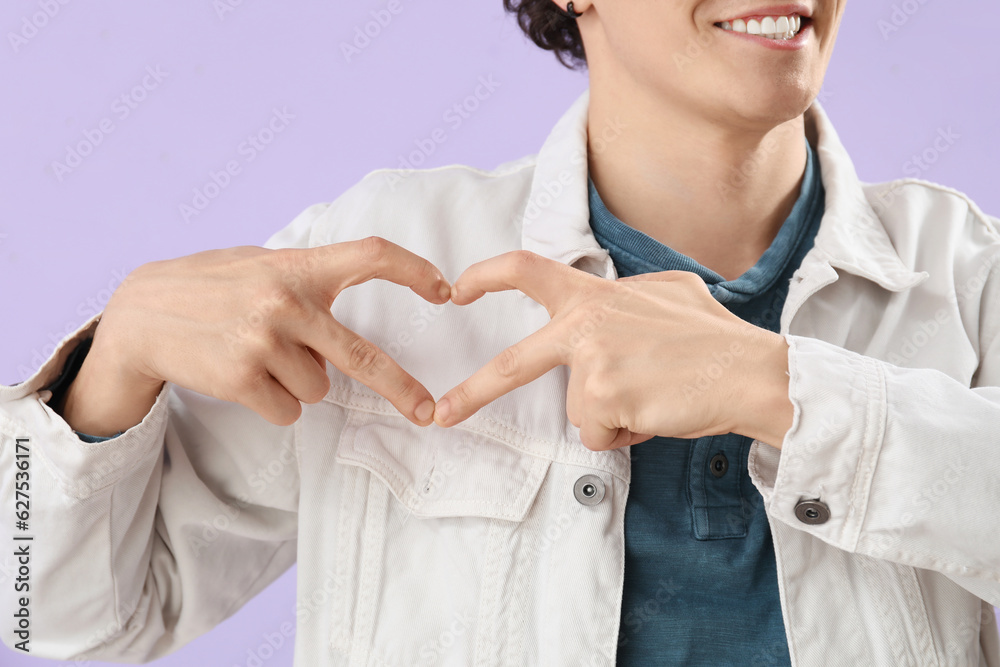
<point x="64" y="244"/>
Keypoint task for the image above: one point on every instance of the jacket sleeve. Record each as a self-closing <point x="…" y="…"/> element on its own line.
<point x="906" y="459"/>
<point x="133" y="546"/>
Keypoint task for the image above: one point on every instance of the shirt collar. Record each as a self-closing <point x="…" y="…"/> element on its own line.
<point x="556" y="221"/>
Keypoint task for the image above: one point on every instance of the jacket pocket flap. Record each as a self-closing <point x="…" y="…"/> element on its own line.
<point x="438" y="472"/>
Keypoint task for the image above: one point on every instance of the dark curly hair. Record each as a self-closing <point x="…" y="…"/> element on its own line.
<point x="546" y="25"/>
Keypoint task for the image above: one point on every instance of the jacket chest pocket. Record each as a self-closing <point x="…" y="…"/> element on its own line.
<point x="433" y="537"/>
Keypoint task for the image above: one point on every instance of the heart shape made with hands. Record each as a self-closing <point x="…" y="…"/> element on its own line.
<point x="610" y="334"/>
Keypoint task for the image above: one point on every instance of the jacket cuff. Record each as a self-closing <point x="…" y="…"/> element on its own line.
<point x="81" y="468"/>
<point x="830" y="452"/>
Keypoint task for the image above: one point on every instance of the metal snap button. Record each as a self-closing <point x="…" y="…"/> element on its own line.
<point x="813" y="512"/>
<point x="719" y="464"/>
<point x="589" y="490"/>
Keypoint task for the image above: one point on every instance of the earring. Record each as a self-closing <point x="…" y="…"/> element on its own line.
<point x="570" y="12"/>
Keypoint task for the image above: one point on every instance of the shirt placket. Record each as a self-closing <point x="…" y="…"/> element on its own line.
<point x="716" y="468"/>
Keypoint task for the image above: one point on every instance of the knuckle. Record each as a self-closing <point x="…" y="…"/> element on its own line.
<point x="279" y="295"/>
<point x="373" y="249"/>
<point x="598" y="390"/>
<point x="250" y="378"/>
<point x="263" y="340"/>
<point x="289" y="265"/>
<point x="362" y="356"/>
<point x="508" y="363"/>
<point x="283" y="259"/>
<point x="426" y="272"/>
<point x="524" y="262"/>
<point x="259" y="326"/>
<point x="462" y="395"/>
<point x="406" y="388"/>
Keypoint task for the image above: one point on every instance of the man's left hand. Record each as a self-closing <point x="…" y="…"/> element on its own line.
<point x="649" y="355"/>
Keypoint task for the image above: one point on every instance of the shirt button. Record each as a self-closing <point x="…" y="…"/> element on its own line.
<point x="719" y="464"/>
<point x="812" y="512"/>
<point x="589" y="490"/>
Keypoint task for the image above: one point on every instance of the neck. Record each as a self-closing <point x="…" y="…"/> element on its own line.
<point x="715" y="192"/>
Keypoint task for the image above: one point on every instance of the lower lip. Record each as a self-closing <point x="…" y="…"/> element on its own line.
<point x="793" y="44"/>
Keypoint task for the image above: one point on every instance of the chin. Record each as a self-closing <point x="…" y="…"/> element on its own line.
<point x="755" y="108"/>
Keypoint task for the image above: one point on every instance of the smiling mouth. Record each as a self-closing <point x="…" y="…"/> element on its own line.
<point x="770" y="27"/>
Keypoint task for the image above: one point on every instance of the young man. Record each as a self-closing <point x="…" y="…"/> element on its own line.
<point x="727" y="405"/>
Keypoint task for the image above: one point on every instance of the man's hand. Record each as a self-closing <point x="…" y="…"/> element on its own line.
<point x="249" y="325"/>
<point x="649" y="355"/>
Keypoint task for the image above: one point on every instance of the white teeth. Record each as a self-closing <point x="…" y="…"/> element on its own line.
<point x="771" y="27"/>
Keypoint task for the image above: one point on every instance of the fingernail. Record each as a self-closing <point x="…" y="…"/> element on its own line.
<point x="444" y="292"/>
<point x="424" y="410"/>
<point x="441" y="411"/>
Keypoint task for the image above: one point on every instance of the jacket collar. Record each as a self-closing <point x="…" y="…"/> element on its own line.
<point x="556" y="219"/>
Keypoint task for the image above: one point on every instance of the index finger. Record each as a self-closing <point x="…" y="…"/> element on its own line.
<point x="545" y="281"/>
<point x="354" y="262"/>
<point x="519" y="364"/>
<point x="359" y="358"/>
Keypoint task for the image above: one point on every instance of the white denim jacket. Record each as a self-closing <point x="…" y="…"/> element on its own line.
<point x="474" y="545"/>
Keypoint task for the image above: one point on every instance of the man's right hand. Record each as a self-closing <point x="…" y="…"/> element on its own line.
<point x="249" y="325"/>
